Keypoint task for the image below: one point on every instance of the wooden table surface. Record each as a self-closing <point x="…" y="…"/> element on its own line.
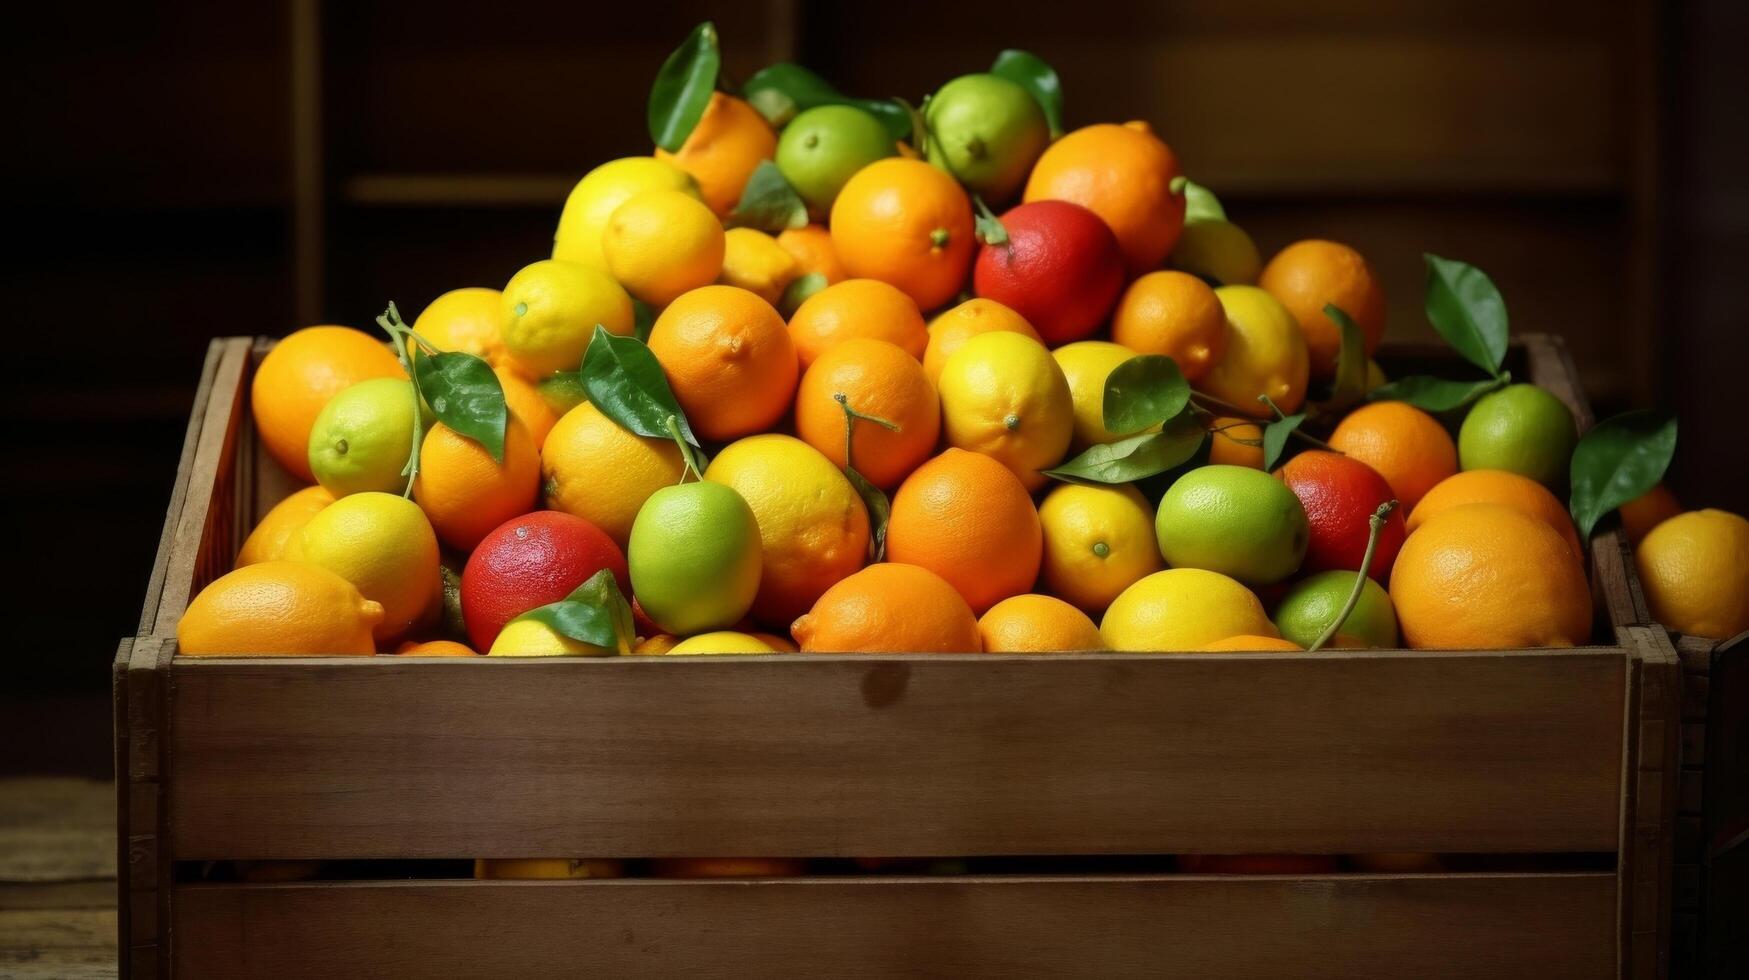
<point x="57" y="879"/>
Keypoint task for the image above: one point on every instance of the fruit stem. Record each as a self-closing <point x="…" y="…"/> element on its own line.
<point x="1215" y="406"/>
<point x="989" y="229"/>
<point x="688" y="462"/>
<point x="398" y="332"/>
<point x="1375" y="526"/>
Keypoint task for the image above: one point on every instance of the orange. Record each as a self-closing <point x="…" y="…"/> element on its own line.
<point x="878" y="379"/>
<point x="469" y="320"/>
<point x="950" y="330"/>
<point x="1037" y="624"/>
<point x="525" y="402"/>
<point x="1306" y="275"/>
<point x="280" y="607"/>
<point x="655" y="646"/>
<point x="1175" y="314"/>
<point x="1123" y="174"/>
<point x="812" y="247"/>
<point x="1520" y="493"/>
<point x="889" y="608"/>
<point x="435" y="648"/>
<point x="593" y="469"/>
<point x="1234" y="441"/>
<point x="288" y="517"/>
<point x="1645" y="512"/>
<point x="1408" y="447"/>
<point x="1253" y="644"/>
<point x="1486" y="576"/>
<point x="297" y="378"/>
<point x="723" y="150"/>
<point x="739" y="867"/>
<point x="465" y="492"/>
<point x="857" y="308"/>
<point x="729" y="358"/>
<point x="907" y="223"/>
<point x="969" y="519"/>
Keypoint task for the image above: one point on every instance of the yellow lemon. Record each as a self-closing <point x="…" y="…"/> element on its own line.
<point x="600" y="192"/>
<point x="721" y="641"/>
<point x="660" y="244"/>
<point x="1695" y="567"/>
<point x="278" y="607"/>
<point x="1003" y="395"/>
<point x="288" y="517"/>
<point x="1183" y="609"/>
<point x="1266" y="354"/>
<point x="813" y="527"/>
<point x="1098" y="542"/>
<point x="551" y="309"/>
<point x="383" y="544"/>
<point x="469" y="320"/>
<point x="533" y="638"/>
<point x="950" y="330"/>
<point x="755" y="262"/>
<point x="1037" y="624"/>
<point x="1086" y="364"/>
<point x="593" y="469"/>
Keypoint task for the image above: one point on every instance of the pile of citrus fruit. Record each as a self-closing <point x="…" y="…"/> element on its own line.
<point x="833" y="374"/>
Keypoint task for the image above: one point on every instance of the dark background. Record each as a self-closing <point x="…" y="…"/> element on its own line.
<point x="180" y="170"/>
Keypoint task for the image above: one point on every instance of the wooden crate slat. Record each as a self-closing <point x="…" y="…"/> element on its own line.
<point x="1424" y="926"/>
<point x="179" y="489"/>
<point x="853" y="756"/>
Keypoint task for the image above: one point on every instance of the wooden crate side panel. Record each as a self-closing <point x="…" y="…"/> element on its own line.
<point x="895" y="756"/>
<point x="202" y="545"/>
<point x="1427" y="927"/>
<point x="1649" y="802"/>
<point x="179" y="489"/>
<point x="144" y="873"/>
<point x="1726" y="791"/>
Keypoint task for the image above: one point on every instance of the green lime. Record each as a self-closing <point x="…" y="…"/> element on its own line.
<point x="1234" y="520"/>
<point x="823" y="147"/>
<point x="694" y="556"/>
<point x="1217" y="250"/>
<point x="562" y="391"/>
<point x="988" y="132"/>
<point x="363" y="437"/>
<point x="1521" y="429"/>
<point x="1308" y="608"/>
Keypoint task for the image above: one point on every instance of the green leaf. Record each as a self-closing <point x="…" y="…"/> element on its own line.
<point x="769" y="203"/>
<point x="880" y="509"/>
<point x="1200" y="204"/>
<point x="643" y="318"/>
<point x="465" y="395"/>
<point x="1350" y="386"/>
<point x="989" y="228"/>
<point x="1467" y="311"/>
<point x="595" y="613"/>
<point x="625" y="381"/>
<point x="779" y="92"/>
<point x="1135" y="458"/>
<point x="797" y="292"/>
<point x="1619" y="460"/>
<point x="683" y="88"/>
<point x="1030" y="72"/>
<point x="1434" y="394"/>
<point x="1275" y="436"/>
<point x="1143" y="391"/>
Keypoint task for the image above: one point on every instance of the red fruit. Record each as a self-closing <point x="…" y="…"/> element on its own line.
<point x="1061" y="269"/>
<point x="529" y="561"/>
<point x="1340" y="495"/>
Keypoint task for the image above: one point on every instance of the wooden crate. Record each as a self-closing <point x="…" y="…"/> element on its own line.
<point x="1712" y="820"/>
<point x="1569" y="754"/>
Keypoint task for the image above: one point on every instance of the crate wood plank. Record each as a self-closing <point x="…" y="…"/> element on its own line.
<point x="1424" y="926"/>
<point x="179" y="489"/>
<point x="851" y="756"/>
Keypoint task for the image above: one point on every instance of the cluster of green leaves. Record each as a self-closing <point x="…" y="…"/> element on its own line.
<point x="1463" y="304"/>
<point x="595" y="613"/>
<point x="459" y="387"/>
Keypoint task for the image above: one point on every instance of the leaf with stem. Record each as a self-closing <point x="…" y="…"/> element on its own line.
<point x="1040" y="80"/>
<point x="1467" y="310"/>
<point x="1143" y="391"/>
<point x="625" y="381"/>
<point x="683" y="88"/>
<point x="880" y="509"/>
<point x="1436" y="394"/>
<point x="1350" y="386"/>
<point x="1275" y="436"/>
<point x="1137" y="457"/>
<point x="595" y="613"/>
<point x="768" y="202"/>
<point x="1618" y="461"/>
<point x="1375" y="526"/>
<point x="398" y="332"/>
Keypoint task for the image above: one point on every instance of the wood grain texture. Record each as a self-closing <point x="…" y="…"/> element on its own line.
<point x="179" y="489"/>
<point x="892" y="756"/>
<point x="1460" y="926"/>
